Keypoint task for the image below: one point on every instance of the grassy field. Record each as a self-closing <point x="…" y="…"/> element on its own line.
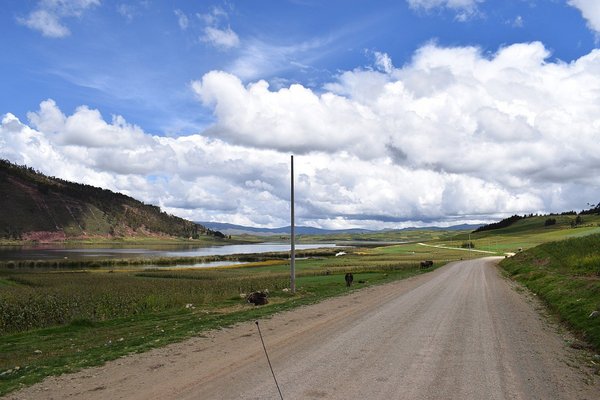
<point x="387" y="236"/>
<point x="55" y="320"/>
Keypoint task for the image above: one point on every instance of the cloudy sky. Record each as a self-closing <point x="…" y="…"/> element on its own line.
<point x="399" y="112"/>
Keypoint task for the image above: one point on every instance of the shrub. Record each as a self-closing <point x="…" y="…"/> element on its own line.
<point x="550" y="221"/>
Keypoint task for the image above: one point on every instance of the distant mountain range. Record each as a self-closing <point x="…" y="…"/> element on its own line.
<point x="232" y="229"/>
<point x="37" y="207"/>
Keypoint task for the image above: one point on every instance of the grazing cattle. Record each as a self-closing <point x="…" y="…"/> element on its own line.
<point x="426" y="264"/>
<point x="349" y="278"/>
<point x="257" y="298"/>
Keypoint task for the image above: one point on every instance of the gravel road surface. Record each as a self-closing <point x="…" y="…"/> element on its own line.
<point x="460" y="332"/>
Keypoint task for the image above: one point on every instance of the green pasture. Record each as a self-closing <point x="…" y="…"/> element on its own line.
<point x="526" y="233"/>
<point x="417" y="235"/>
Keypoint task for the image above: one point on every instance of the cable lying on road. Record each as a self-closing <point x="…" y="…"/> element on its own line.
<point x="269" y="361"/>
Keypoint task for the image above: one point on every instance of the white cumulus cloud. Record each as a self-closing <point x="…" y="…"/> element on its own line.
<point x="455" y="135"/>
<point x="209" y="179"/>
<point x="590" y="10"/>
<point x="513" y="120"/>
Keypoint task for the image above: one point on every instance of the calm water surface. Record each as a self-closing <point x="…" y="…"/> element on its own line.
<point x="86" y="252"/>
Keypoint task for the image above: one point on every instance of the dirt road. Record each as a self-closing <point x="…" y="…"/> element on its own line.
<point x="460" y="332"/>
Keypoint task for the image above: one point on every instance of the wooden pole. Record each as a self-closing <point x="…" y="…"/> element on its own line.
<point x="292" y="237"/>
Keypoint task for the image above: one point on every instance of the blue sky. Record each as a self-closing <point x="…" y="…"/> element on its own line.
<point x="134" y="59"/>
<point x="164" y="84"/>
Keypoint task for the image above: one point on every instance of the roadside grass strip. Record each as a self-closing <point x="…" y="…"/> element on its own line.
<point x="566" y="276"/>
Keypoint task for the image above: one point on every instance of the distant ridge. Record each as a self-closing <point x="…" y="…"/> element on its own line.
<point x="41" y="208"/>
<point x="232" y="229"/>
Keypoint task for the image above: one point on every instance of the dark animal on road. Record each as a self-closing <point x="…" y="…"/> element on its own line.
<point x="257" y="298"/>
<point x="426" y="264"/>
<point x="349" y="278"/>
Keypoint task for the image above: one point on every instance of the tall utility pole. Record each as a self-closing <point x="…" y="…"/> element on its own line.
<point x="292" y="237"/>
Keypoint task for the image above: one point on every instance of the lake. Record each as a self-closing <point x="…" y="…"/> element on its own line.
<point x="53" y="252"/>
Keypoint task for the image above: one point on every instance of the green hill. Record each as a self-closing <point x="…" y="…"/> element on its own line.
<point x="529" y="231"/>
<point x="37" y="207"/>
<point x="542" y="223"/>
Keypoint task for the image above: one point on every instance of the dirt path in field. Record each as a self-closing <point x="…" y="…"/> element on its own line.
<point x="460" y="332"/>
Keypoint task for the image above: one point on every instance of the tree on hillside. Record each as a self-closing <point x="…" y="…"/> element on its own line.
<point x="578" y="221"/>
<point x="501" y="224"/>
<point x="594" y="209"/>
<point x="550" y="221"/>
